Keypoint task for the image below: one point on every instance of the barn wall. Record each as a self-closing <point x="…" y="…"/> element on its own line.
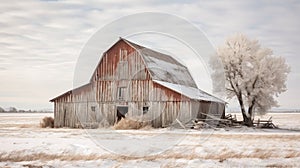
<point x="164" y="104"/>
<point x="208" y="110"/>
<point x="120" y="62"/>
<point x="75" y="109"/>
<point x="215" y="112"/>
<point x="63" y="112"/>
<point x="74" y="106"/>
<point x="201" y="108"/>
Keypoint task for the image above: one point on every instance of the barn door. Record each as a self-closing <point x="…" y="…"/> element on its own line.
<point x="121" y="111"/>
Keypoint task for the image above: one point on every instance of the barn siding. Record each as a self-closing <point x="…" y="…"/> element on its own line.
<point x="208" y="110"/>
<point x="164" y="105"/>
<point x="108" y="70"/>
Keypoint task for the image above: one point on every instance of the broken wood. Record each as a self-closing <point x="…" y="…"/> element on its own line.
<point x="264" y="123"/>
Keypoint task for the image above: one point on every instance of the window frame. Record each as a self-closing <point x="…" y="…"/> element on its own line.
<point x="121" y="93"/>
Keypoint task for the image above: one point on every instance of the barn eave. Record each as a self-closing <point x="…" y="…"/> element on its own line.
<point x="190" y="92"/>
<point x="78" y="89"/>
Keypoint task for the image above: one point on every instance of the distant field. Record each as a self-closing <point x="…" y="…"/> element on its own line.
<point x="283" y="120"/>
<point x="24" y="144"/>
<point x="22" y="119"/>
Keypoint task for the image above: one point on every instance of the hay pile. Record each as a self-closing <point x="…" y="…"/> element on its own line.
<point x="125" y="124"/>
<point x="47" y="122"/>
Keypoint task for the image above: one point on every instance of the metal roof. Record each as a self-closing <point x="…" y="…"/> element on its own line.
<point x="190" y="92"/>
<point x="76" y="90"/>
<point x="163" y="67"/>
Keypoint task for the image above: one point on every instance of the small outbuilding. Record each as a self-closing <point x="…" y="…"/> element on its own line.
<point x="139" y="83"/>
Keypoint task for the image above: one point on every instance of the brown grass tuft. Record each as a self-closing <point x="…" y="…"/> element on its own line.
<point x="257" y="153"/>
<point x="32" y="166"/>
<point x="293" y="154"/>
<point x="27" y="125"/>
<point x="47" y="122"/>
<point x="125" y="123"/>
<point x="173" y="165"/>
<point x="279" y="165"/>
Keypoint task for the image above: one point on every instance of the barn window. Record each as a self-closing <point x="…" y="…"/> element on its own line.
<point x="93" y="108"/>
<point x="121" y="93"/>
<point x="145" y="109"/>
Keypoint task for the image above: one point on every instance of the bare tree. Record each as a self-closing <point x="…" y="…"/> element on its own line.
<point x="253" y="75"/>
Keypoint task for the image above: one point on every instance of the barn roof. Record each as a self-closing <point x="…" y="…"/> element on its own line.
<point x="190" y="92"/>
<point x="164" y="67"/>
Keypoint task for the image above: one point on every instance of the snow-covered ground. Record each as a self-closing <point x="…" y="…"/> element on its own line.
<point x="24" y="144"/>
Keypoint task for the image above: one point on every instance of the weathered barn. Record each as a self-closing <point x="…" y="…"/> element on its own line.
<point x="134" y="81"/>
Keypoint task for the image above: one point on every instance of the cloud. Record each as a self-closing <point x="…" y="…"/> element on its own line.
<point x="2" y="69"/>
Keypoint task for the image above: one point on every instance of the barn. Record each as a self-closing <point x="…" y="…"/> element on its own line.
<point x="139" y="83"/>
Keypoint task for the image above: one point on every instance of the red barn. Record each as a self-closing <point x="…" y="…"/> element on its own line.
<point x="136" y="82"/>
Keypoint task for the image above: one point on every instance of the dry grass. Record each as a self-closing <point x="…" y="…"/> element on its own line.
<point x="18" y="156"/>
<point x="47" y="122"/>
<point x="125" y="124"/>
<point x="283" y="137"/>
<point x="257" y="153"/>
<point x="174" y="165"/>
<point x="32" y="166"/>
<point x="279" y="166"/>
<point x="28" y="125"/>
<point x="293" y="154"/>
<point x="19" y="125"/>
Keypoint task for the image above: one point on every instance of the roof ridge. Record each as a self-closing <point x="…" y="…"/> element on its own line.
<point x="152" y="50"/>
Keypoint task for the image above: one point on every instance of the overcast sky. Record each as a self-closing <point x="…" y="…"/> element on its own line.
<point x="40" y="41"/>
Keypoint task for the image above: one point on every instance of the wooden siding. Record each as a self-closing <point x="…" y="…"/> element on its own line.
<point x="208" y="110"/>
<point x="164" y="104"/>
<point x="109" y="68"/>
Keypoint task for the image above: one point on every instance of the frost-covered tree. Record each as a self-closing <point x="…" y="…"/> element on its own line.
<point x="253" y="75"/>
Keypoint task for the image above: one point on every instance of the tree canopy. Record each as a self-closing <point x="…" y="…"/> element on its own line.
<point x="253" y="75"/>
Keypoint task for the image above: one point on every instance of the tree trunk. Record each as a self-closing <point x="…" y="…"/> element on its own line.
<point x="247" y="120"/>
<point x="250" y="112"/>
